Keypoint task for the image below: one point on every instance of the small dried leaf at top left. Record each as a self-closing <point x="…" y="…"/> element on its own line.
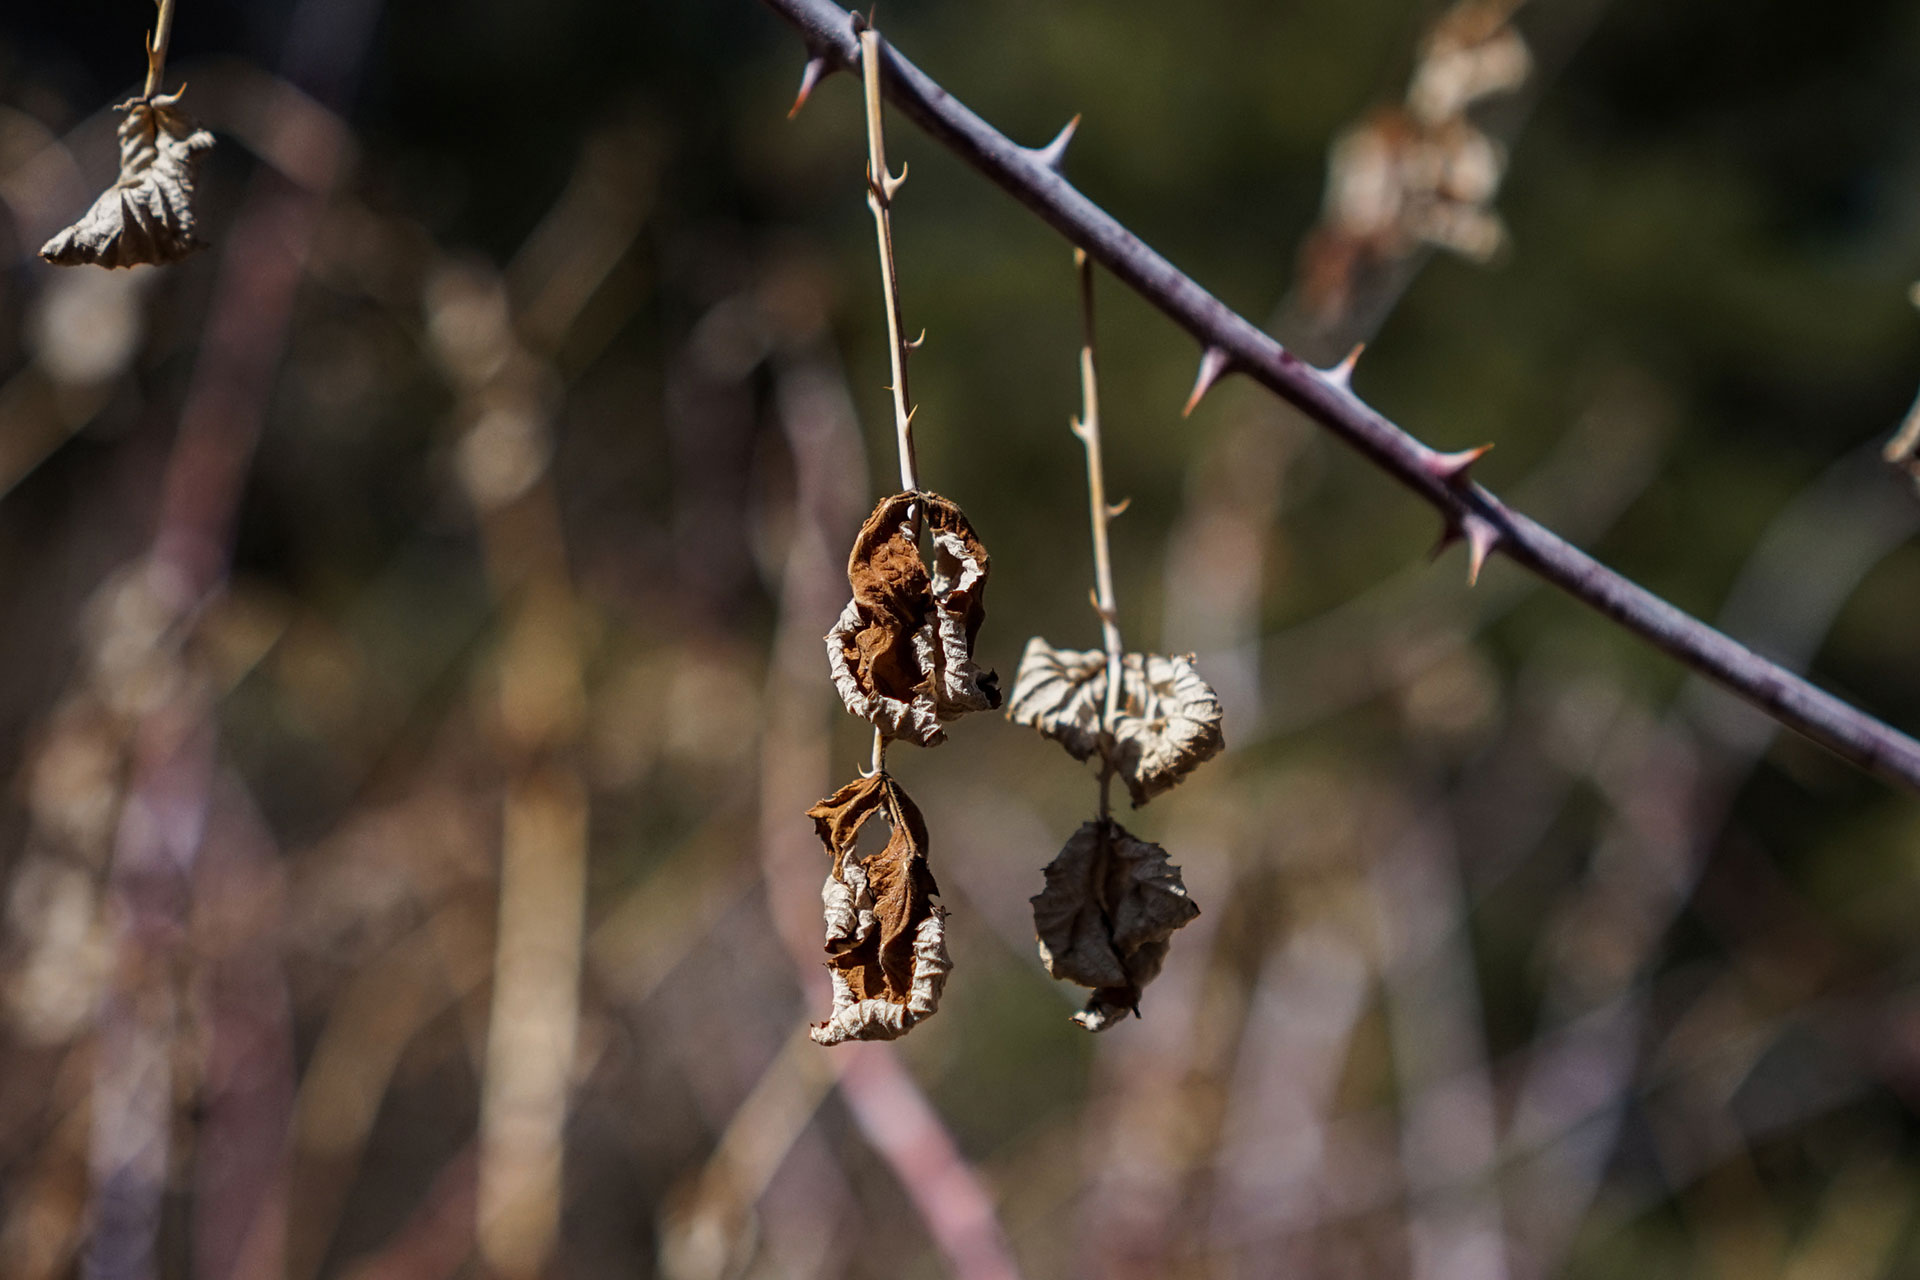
<point x="1111" y="904"/>
<point x="885" y="934"/>
<point x="146" y="216"/>
<point x="901" y="654"/>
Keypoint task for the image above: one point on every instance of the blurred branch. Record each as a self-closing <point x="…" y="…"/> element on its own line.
<point x="1234" y="344"/>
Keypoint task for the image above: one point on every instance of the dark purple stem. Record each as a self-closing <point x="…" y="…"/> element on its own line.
<point x="1324" y="396"/>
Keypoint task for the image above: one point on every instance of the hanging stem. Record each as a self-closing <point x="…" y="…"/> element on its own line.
<point x="880" y="188"/>
<point x="157" y="44"/>
<point x="1087" y="427"/>
<point x="881" y="185"/>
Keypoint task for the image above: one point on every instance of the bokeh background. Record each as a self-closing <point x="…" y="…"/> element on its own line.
<point x="410" y="683"/>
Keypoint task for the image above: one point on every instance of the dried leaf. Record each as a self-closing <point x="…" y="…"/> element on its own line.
<point x="147" y="216"/>
<point x="901" y="653"/>
<point x="1062" y="693"/>
<point x="1111" y="904"/>
<point x="1168" y="722"/>
<point x="886" y="937"/>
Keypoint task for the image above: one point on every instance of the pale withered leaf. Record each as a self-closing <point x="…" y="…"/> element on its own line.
<point x="885" y="934"/>
<point x="146" y="216"/>
<point x="1062" y="693"/>
<point x="901" y="653"/>
<point x="1168" y="722"/>
<point x="1111" y="903"/>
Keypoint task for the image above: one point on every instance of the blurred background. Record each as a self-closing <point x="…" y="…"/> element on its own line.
<point x="411" y="682"/>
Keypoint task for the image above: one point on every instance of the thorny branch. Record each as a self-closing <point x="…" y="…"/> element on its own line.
<point x="1232" y="343"/>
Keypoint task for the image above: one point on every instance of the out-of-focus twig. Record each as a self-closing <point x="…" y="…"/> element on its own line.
<point x="162" y="822"/>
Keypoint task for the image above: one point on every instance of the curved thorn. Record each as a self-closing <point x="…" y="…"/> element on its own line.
<point x="893" y="182"/>
<point x="1054" y="152"/>
<point x="1342" y="373"/>
<point x="1213" y="366"/>
<point x="1453" y="467"/>
<point x="1118" y="509"/>
<point x="1078" y="428"/>
<point x="920" y="341"/>
<point x="810" y="75"/>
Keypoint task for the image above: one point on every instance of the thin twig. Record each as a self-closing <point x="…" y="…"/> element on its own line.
<point x="1087" y="428"/>
<point x="1327" y="398"/>
<point x="880" y="188"/>
<point x="157" y="43"/>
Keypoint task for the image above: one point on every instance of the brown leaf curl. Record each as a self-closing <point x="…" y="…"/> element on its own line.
<point x="146" y="216"/>
<point x="1104" y="920"/>
<point x="885" y="935"/>
<point x="901" y="653"/>
<point x="1168" y="722"/>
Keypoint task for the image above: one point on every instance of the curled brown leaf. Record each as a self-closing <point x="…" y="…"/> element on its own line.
<point x="1168" y="722"/>
<point x="1111" y="904"/>
<point x="901" y="653"/>
<point x="146" y="216"/>
<point x="885" y="934"/>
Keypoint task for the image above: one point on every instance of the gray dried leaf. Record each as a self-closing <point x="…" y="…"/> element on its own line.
<point x="1168" y="722"/>
<point x="1110" y="905"/>
<point x="901" y="653"/>
<point x="885" y="934"/>
<point x="146" y="216"/>
<point x="1062" y="693"/>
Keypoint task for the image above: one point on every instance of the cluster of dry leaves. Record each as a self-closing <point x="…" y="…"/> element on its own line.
<point x="902" y="658"/>
<point x="1420" y="172"/>
<point x="1112" y="901"/>
<point x="901" y="655"/>
<point x="147" y="215"/>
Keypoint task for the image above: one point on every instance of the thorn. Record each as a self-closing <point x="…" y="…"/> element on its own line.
<point x="1213" y="365"/>
<point x="1342" y="373"/>
<point x="891" y="183"/>
<point x="1118" y="509"/>
<point x="810" y="75"/>
<point x="920" y="341"/>
<point x="1054" y="152"/>
<point x="1482" y="537"/>
<point x="1093" y="598"/>
<point x="910" y="412"/>
<point x="1078" y="428"/>
<point x="1453" y="467"/>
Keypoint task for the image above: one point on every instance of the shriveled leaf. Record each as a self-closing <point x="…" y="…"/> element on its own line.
<point x="1062" y="693"/>
<point x="885" y="934"/>
<point x="1111" y="903"/>
<point x="146" y="216"/>
<point x="1168" y="722"/>
<point x="901" y="653"/>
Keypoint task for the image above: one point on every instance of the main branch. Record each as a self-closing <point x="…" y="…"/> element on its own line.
<point x="1231" y="342"/>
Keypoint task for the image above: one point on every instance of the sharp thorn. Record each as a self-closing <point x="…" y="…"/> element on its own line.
<point x="1213" y="366"/>
<point x="810" y="75"/>
<point x="920" y="341"/>
<point x="910" y="412"/>
<point x="1453" y="467"/>
<point x="1118" y="509"/>
<point x="1342" y="373"/>
<point x="1482" y="537"/>
<point x="893" y="182"/>
<point x="1054" y="152"/>
<point x="1078" y="428"/>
